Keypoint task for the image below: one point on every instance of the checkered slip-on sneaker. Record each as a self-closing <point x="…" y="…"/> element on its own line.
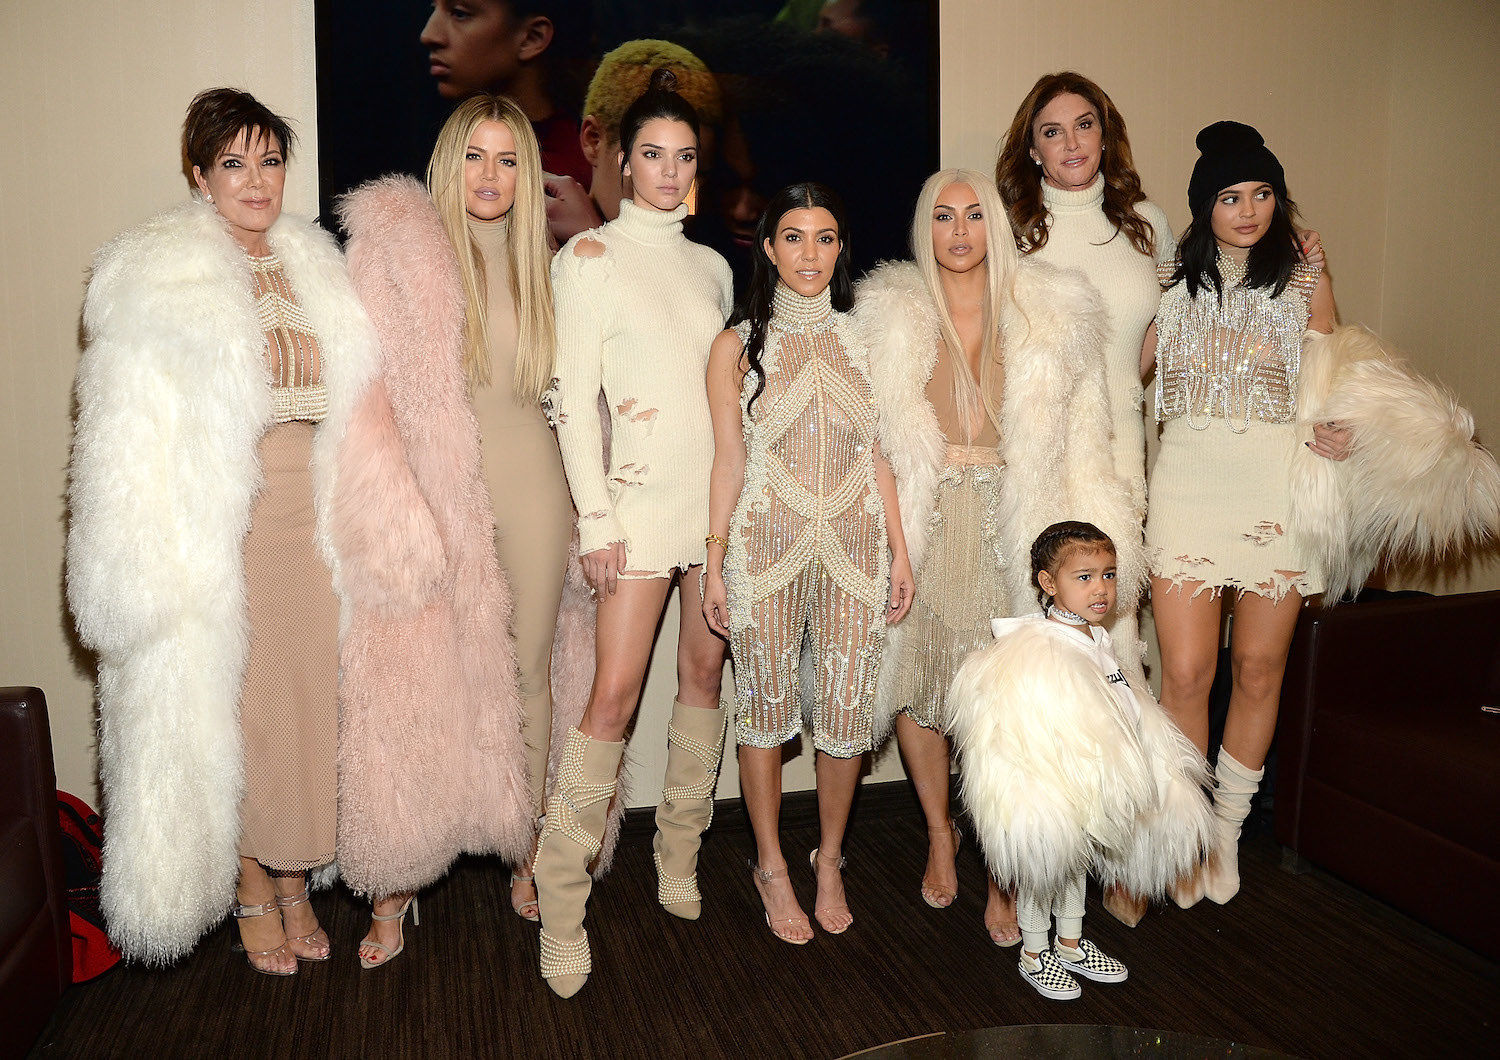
<point x="1049" y="978"/>
<point x="1091" y="963"/>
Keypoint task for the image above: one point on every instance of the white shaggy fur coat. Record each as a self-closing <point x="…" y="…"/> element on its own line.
<point x="1061" y="777"/>
<point x="1416" y="486"/>
<point x="1055" y="437"/>
<point x="173" y="397"/>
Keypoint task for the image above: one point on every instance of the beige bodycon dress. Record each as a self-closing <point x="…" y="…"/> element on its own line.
<point x="533" y="513"/>
<point x="289" y="705"/>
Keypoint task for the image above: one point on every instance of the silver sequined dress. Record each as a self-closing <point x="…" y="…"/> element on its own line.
<point x="807" y="559"/>
<point x="1226" y="397"/>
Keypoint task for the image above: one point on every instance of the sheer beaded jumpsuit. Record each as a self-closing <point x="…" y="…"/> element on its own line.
<point x="807" y="559"/>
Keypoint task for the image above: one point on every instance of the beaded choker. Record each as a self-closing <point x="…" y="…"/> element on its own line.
<point x="1230" y="271"/>
<point x="791" y="311"/>
<point x="1062" y="614"/>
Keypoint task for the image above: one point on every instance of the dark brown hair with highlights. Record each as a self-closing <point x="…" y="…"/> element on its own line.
<point x="1020" y="179"/>
<point x="217" y="116"/>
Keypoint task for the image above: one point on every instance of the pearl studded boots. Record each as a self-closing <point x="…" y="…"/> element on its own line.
<point x="569" y="840"/>
<point x="695" y="744"/>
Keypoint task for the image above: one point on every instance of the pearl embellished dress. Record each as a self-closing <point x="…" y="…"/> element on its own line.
<point x="289" y="703"/>
<point x="807" y="558"/>
<point x="1226" y="397"/>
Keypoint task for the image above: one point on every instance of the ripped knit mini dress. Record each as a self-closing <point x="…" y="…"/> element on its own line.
<point x="635" y="322"/>
<point x="1227" y="401"/>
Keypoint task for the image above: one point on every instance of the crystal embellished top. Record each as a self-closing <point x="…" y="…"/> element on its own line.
<point x="809" y="470"/>
<point x="292" y="357"/>
<point x="1236" y="360"/>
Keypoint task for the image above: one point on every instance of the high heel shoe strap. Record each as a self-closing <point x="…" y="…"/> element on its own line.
<point x="411" y="904"/>
<point x="243" y="911"/>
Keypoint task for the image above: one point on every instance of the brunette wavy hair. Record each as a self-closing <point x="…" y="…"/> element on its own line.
<point x="1020" y="179"/>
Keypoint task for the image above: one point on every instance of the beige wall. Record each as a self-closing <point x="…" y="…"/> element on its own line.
<point x="1386" y="113"/>
<point x="94" y="95"/>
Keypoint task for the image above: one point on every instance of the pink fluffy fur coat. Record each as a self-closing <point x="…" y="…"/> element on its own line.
<point x="431" y="621"/>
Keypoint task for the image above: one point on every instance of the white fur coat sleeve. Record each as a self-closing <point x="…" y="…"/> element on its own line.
<point x="173" y="396"/>
<point x="1416" y="485"/>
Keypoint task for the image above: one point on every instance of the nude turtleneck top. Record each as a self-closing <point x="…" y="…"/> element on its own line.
<point x="495" y="404"/>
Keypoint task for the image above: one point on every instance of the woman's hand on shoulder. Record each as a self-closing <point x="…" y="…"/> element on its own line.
<point x="569" y="208"/>
<point x="1332" y="440"/>
<point x="602" y="567"/>
<point x="1312" y="247"/>
<point x="903" y="588"/>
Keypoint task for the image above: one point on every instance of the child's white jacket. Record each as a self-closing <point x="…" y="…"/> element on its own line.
<point x="1067" y="768"/>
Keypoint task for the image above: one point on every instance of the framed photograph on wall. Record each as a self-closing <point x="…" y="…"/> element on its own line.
<point x="841" y="91"/>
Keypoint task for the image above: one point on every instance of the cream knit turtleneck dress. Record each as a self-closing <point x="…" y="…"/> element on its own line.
<point x="636" y="322"/>
<point x="1080" y="237"/>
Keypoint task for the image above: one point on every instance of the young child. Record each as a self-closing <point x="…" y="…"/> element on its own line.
<point x="1067" y="769"/>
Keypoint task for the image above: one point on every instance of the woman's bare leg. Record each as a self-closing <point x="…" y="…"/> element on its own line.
<point x="924" y="752"/>
<point x="1187" y="628"/>
<point x="760" y="786"/>
<point x="837" y="780"/>
<point x="624" y="632"/>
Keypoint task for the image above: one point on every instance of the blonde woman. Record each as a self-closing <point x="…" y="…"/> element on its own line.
<point x="462" y="268"/>
<point x="989" y="375"/>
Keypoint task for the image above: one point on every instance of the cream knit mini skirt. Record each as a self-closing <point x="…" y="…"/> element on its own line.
<point x="1218" y="510"/>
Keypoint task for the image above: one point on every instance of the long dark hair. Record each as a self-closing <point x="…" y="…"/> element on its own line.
<point x="1271" y="259"/>
<point x="1020" y="179"/>
<point x="755" y="307"/>
<point x="1052" y="542"/>
<point x="660" y="100"/>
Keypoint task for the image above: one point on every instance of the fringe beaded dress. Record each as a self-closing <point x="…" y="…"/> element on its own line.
<point x="289" y="704"/>
<point x="807" y="560"/>
<point x="963" y="576"/>
<point x="1227" y="401"/>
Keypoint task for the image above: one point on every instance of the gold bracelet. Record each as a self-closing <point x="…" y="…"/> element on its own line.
<point x="715" y="539"/>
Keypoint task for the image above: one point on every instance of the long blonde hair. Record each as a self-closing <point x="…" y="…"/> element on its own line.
<point x="526" y="242"/>
<point x="970" y="395"/>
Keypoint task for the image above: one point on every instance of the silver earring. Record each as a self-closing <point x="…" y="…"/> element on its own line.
<point x="207" y="197"/>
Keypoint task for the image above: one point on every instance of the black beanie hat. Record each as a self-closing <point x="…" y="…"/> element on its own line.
<point x="1232" y="153"/>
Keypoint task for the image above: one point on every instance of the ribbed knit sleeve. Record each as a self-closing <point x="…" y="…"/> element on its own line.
<point x="576" y="289"/>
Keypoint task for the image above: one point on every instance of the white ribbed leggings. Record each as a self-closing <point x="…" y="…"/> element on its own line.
<point x="1034" y="914"/>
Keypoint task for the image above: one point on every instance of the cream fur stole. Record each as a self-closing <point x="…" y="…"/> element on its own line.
<point x="1055" y="434"/>
<point x="173" y="397"/>
<point x="1416" y="486"/>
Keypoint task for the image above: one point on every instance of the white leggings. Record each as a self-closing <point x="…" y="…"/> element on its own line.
<point x="1034" y="914"/>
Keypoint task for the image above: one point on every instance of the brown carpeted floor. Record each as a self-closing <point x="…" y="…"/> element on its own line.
<point x="1303" y="964"/>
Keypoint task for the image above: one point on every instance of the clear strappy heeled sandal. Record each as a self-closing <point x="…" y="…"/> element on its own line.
<point x="287" y="902"/>
<point x="766" y="876"/>
<point x="242" y="912"/>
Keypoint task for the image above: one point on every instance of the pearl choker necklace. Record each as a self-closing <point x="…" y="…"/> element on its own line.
<point x="791" y="311"/>
<point x="1062" y="614"/>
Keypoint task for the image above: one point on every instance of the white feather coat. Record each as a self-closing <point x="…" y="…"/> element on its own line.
<point x="1416" y="486"/>
<point x="1055" y="435"/>
<point x="1060" y="778"/>
<point x="173" y="396"/>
